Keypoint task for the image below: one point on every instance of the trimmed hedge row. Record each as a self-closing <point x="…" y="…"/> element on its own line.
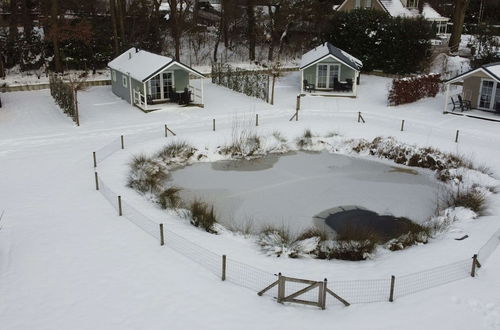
<point x="64" y="95"/>
<point x="242" y="81"/>
<point x="411" y="89"/>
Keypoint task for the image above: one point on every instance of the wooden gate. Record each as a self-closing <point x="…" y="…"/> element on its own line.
<point x="320" y="286"/>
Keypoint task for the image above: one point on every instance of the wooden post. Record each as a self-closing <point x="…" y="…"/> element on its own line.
<point x="256" y="119"/>
<point x="223" y="267"/>
<point x="96" y="181"/>
<point x="95" y="159"/>
<point x="281" y="288"/>
<point x="402" y="125"/>
<point x="162" y="237"/>
<point x="166" y="130"/>
<point x="297" y="107"/>
<point x="213" y="124"/>
<point x="474" y="264"/>
<point x="121" y="139"/>
<point x="391" y="295"/>
<point x="297" y="116"/>
<point x="456" y="136"/>
<point x="359" y="117"/>
<point x="120" y="213"/>
<point x="322" y="294"/>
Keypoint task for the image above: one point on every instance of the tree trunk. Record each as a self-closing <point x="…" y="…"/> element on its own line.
<point x="2" y="68"/>
<point x="458" y="24"/>
<point x="112" y="11"/>
<point x="13" y="36"/>
<point x="54" y="30"/>
<point x="224" y="21"/>
<point x="252" y="37"/>
<point x="27" y="20"/>
<point x="120" y="15"/>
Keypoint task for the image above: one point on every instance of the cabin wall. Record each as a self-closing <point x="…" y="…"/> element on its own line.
<point x="117" y="86"/>
<point x="345" y="71"/>
<point x="349" y="5"/>
<point x="471" y="87"/>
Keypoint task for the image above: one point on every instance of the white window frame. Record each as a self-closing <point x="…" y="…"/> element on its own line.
<point x="493" y="94"/>
<point x="125" y="81"/>
<point x="113" y="74"/>
<point x="162" y="93"/>
<point x="357" y="4"/>
<point x="412" y="4"/>
<point x="368" y="3"/>
<point x="328" y="65"/>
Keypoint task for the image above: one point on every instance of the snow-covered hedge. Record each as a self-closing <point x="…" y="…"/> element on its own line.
<point x="411" y="89"/>
<point x="250" y="83"/>
<point x="64" y="95"/>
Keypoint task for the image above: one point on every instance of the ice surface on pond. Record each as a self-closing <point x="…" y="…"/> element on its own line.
<point x="291" y="189"/>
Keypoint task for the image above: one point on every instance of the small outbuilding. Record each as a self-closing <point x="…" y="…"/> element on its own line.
<point x="328" y="70"/>
<point x="480" y="88"/>
<point x="148" y="80"/>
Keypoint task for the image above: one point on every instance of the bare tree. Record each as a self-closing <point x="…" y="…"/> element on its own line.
<point x="116" y="42"/>
<point x="458" y="24"/>
<point x="179" y="22"/>
<point x="251" y="29"/>
<point x="54" y="33"/>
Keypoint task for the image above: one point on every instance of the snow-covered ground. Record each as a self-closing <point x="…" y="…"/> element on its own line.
<point x="68" y="261"/>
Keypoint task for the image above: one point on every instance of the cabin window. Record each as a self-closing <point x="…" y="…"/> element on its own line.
<point x="357" y="4"/>
<point x="368" y="3"/>
<point x="326" y="75"/>
<point x="113" y="73"/>
<point x="124" y="81"/>
<point x="412" y="4"/>
<point x="489" y="95"/>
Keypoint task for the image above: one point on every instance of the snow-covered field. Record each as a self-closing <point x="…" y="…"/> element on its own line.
<point x="68" y="261"/>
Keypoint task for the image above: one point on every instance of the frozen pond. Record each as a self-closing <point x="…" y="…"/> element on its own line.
<point x="291" y="189"/>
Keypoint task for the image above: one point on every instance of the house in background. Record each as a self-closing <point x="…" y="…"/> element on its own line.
<point x="148" y="80"/>
<point x="480" y="87"/>
<point x="400" y="8"/>
<point x="328" y="70"/>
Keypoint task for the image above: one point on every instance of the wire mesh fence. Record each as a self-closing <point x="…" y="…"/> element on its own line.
<point x="255" y="279"/>
<point x="488" y="248"/>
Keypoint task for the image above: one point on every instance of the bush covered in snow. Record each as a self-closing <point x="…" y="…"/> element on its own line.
<point x="414" y="88"/>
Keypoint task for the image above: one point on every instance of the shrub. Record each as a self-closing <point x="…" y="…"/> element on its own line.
<point x="178" y="151"/>
<point x="245" y="143"/>
<point x="312" y="232"/>
<point x="411" y="89"/>
<point x="471" y="198"/>
<point x="279" y="241"/>
<point x="169" y="198"/>
<point x="346" y="250"/>
<point x="305" y="140"/>
<point x="146" y="174"/>
<point x="203" y="215"/>
<point x="279" y="137"/>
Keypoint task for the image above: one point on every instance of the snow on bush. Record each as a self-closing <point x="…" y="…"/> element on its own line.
<point x="411" y="89"/>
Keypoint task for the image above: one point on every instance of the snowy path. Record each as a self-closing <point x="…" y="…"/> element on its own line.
<point x="68" y="262"/>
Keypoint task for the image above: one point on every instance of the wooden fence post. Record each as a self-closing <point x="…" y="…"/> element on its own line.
<point x="121" y="139"/>
<point x="256" y="119"/>
<point x="95" y="159"/>
<point x="166" y="131"/>
<point x="297" y="106"/>
<point x="120" y="213"/>
<point x="223" y="267"/>
<point x="456" y="136"/>
<point x="475" y="264"/>
<point x="96" y="181"/>
<point x="391" y="294"/>
<point x="322" y="294"/>
<point x="162" y="237"/>
<point x="281" y="288"/>
<point x="213" y="124"/>
<point x="402" y="125"/>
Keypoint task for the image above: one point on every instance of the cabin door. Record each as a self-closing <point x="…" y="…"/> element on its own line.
<point x="167" y="83"/>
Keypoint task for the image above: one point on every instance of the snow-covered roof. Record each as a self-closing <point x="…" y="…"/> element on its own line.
<point x="396" y="8"/>
<point x="327" y="49"/>
<point x="492" y="70"/>
<point x="430" y="14"/>
<point x="142" y="65"/>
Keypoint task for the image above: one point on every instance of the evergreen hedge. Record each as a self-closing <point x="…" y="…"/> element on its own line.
<point x="250" y="83"/>
<point x="392" y="44"/>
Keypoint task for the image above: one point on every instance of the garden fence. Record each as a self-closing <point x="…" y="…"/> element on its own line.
<point x="255" y="279"/>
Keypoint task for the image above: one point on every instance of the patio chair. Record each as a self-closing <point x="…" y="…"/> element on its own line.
<point x="173" y="95"/>
<point x="308" y="87"/>
<point x="456" y="105"/>
<point x="464" y="104"/>
<point x="149" y="99"/>
<point x="337" y="86"/>
<point x="349" y="84"/>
